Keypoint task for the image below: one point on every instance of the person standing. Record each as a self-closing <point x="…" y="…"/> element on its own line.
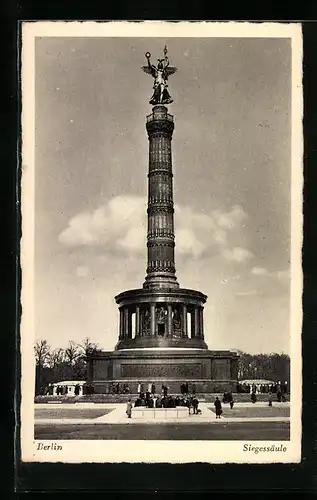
<point x="139" y="388"/>
<point x="270" y="399"/>
<point x="218" y="407"/>
<point x="129" y="408"/>
<point x="195" y="405"/>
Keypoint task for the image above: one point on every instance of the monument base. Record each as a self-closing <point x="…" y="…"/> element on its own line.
<point x="205" y="371"/>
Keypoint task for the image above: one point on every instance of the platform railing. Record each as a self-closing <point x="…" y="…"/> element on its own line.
<point x="151" y="117"/>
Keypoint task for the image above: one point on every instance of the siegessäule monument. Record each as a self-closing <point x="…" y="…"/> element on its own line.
<point x="161" y="325"/>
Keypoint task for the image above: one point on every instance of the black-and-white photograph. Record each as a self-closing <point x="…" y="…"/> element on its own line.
<point x="161" y="242"/>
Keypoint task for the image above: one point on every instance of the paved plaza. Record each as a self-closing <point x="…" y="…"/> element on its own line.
<point x="109" y="421"/>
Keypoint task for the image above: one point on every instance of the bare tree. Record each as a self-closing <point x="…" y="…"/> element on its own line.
<point x="56" y="358"/>
<point x="71" y="353"/>
<point x="87" y="347"/>
<point x="42" y="351"/>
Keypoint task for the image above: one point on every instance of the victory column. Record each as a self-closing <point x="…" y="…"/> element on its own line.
<point x="161" y="326"/>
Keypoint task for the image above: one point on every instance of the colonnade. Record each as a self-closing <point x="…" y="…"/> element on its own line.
<point x="175" y="320"/>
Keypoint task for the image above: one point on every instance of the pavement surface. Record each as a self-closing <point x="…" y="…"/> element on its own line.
<point x="226" y="431"/>
<point x="108" y="413"/>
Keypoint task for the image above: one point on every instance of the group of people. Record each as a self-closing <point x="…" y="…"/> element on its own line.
<point x="185" y="388"/>
<point x="117" y="388"/>
<point x="275" y="388"/>
<point x="149" y="400"/>
<point x="171" y="402"/>
<point x="228" y="398"/>
<point x="62" y="390"/>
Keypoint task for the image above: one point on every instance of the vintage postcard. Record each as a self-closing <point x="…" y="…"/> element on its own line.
<point x="162" y="175"/>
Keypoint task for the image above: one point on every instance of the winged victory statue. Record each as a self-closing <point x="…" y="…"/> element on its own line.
<point x="160" y="73"/>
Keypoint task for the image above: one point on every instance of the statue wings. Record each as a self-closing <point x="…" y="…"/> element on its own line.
<point x="169" y="70"/>
<point x="149" y="70"/>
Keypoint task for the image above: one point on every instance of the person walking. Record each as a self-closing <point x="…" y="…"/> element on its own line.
<point x="218" y="407"/>
<point x="195" y="405"/>
<point x="129" y="408"/>
<point x="270" y="399"/>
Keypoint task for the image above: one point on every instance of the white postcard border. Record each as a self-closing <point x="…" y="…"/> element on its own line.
<point x="156" y="451"/>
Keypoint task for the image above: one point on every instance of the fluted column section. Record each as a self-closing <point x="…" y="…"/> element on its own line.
<point x="169" y="320"/>
<point x="152" y="318"/>
<point x="160" y="236"/>
<point x="121" y="324"/>
<point x="137" y="321"/>
<point x="196" y="319"/>
<point x="185" y="333"/>
<point x="126" y="322"/>
<point x="201" y="322"/>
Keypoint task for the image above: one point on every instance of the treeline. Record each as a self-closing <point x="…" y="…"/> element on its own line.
<point x="275" y="367"/>
<point x="56" y="365"/>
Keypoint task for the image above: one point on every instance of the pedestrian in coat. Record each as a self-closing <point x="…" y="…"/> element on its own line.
<point x="129" y="408"/>
<point x="195" y="405"/>
<point x="218" y="407"/>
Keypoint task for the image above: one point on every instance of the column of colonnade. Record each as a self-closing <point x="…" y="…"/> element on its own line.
<point x="125" y="321"/>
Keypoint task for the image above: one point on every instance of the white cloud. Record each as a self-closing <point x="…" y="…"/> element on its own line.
<point x="283" y="275"/>
<point x="220" y="236"/>
<point x="82" y="271"/>
<point x="237" y="254"/>
<point x="122" y="224"/>
<point x="134" y="240"/>
<point x="108" y="224"/>
<point x="230" y="219"/>
<point x="279" y="275"/>
<point x="187" y="243"/>
<point x="259" y="271"/>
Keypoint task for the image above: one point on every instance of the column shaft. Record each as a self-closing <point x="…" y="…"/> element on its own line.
<point x="196" y="315"/>
<point x="169" y="320"/>
<point x="152" y="316"/>
<point x="129" y="324"/>
<point x="121" y="324"/>
<point x="137" y="321"/>
<point x="192" y="324"/>
<point x="126" y="322"/>
<point x="202" y="322"/>
<point x="185" y="332"/>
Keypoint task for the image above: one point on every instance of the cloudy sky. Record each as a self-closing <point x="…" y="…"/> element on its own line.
<point x="231" y="161"/>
